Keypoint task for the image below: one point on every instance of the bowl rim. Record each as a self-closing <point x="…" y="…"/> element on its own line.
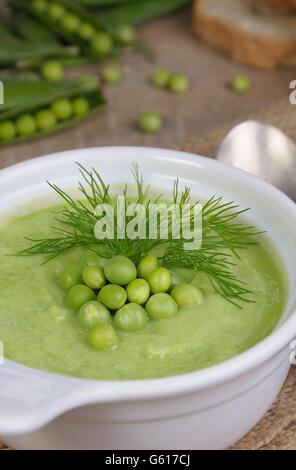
<point x="126" y="390"/>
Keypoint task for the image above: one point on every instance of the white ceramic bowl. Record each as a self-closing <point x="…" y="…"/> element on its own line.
<point x="208" y="409"/>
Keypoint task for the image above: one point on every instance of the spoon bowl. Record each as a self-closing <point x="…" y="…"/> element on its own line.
<point x="264" y="151"/>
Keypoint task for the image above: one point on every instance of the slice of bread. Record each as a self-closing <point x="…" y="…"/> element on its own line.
<point x="282" y="5"/>
<point x="249" y="36"/>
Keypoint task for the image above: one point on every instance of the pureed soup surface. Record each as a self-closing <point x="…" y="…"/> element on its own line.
<point x="39" y="330"/>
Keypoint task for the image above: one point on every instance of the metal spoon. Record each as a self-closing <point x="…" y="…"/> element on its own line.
<point x="264" y="151"/>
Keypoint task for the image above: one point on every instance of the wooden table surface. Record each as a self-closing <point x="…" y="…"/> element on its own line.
<point x="209" y="103"/>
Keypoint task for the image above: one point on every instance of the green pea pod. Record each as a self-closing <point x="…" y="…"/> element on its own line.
<point x="28" y="28"/>
<point x="29" y="97"/>
<point x="5" y="31"/>
<point x="100" y="3"/>
<point x="9" y="76"/>
<point x="59" y="29"/>
<point x="140" y="11"/>
<point x="13" y="50"/>
<point x="15" y="53"/>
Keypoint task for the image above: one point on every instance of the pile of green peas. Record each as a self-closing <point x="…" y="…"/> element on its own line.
<point x="115" y="294"/>
<point x="44" y="119"/>
<point x="178" y="83"/>
<point x="151" y="121"/>
<point x="101" y="42"/>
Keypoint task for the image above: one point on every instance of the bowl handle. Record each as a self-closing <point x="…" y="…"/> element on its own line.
<point x="30" y="399"/>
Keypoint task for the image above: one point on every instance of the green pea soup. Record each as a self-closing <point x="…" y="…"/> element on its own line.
<point x="39" y="329"/>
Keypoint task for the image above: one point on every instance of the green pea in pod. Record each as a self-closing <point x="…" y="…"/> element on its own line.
<point x="72" y="23"/>
<point x="34" y="109"/>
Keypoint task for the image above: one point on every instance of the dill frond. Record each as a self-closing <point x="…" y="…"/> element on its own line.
<point x="222" y="233"/>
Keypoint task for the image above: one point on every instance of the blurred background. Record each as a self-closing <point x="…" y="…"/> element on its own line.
<point x="208" y="41"/>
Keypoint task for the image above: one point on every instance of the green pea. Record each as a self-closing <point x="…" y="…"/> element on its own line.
<point x="138" y="291"/>
<point x="71" y="22"/>
<point x="93" y="313"/>
<point x="125" y="35"/>
<point x="187" y="295"/>
<point x="103" y="337"/>
<point x="26" y="124"/>
<point x="94" y="277"/>
<point x="160" y="280"/>
<point x="53" y="71"/>
<point x="62" y="108"/>
<point x="120" y="270"/>
<point x="240" y="83"/>
<point x="39" y="6"/>
<point x="80" y="107"/>
<point x="161" y="306"/>
<point x="79" y="295"/>
<point x="161" y="78"/>
<point x="112" y="296"/>
<point x="179" y="83"/>
<point x="55" y="11"/>
<point x="92" y="259"/>
<point x="86" y="31"/>
<point x="150" y="121"/>
<point x="45" y="119"/>
<point x="70" y="278"/>
<point x="147" y="266"/>
<point x="131" y="317"/>
<point x="111" y="74"/>
<point x="7" y="130"/>
<point x="102" y="43"/>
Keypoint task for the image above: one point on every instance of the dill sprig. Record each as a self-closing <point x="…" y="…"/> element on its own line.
<point x="222" y="234"/>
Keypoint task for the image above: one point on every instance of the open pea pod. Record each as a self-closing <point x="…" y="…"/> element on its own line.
<point x="15" y="51"/>
<point x="23" y="98"/>
<point x="75" y="25"/>
<point x="37" y="35"/>
<point x="30" y="29"/>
